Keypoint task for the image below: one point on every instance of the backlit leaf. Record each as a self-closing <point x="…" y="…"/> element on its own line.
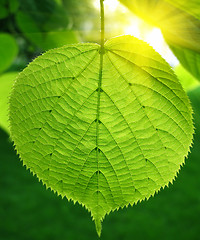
<point x="104" y="129"/>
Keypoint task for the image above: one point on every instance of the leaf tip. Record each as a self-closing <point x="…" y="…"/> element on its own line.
<point x="98" y="226"/>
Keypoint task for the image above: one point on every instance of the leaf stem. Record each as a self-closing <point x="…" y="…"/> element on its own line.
<point x="102" y="25"/>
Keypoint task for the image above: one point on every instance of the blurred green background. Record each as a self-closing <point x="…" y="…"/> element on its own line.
<point x="27" y="209"/>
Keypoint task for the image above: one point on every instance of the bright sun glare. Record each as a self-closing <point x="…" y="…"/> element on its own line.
<point x="136" y="27"/>
<point x="110" y="5"/>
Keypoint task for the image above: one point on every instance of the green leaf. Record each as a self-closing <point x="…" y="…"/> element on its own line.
<point x="8" y="51"/>
<point x="180" y="29"/>
<point x="146" y="221"/>
<point x="58" y="39"/>
<point x="7" y="7"/>
<point x="58" y="20"/>
<point x="104" y="134"/>
<point x="194" y="95"/>
<point x="6" y="82"/>
<point x="189" y="59"/>
<point x="28" y="26"/>
<point x="45" y="40"/>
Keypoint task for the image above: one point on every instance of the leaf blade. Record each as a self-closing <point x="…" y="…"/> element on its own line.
<point x="104" y="144"/>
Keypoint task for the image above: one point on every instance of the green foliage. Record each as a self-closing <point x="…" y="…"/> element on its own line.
<point x="8" y="51"/>
<point x="194" y="95"/>
<point x="40" y="11"/>
<point x="189" y="59"/>
<point x="3" y="10"/>
<point x="46" y="24"/>
<point x="106" y="135"/>
<point x="8" y="7"/>
<point x="13" y="5"/>
<point x="180" y="29"/>
<point x="42" y="37"/>
<point x="6" y="82"/>
<point x="29" y="27"/>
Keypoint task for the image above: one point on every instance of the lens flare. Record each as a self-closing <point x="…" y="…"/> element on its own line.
<point x="132" y="25"/>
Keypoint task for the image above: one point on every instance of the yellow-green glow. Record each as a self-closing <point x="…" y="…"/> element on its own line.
<point x="133" y="29"/>
<point x="153" y="36"/>
<point x="136" y="27"/>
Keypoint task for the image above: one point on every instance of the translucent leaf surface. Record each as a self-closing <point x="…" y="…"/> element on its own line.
<point x="106" y="130"/>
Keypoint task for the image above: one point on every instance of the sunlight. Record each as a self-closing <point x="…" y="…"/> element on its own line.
<point x="110" y="5"/>
<point x="133" y="29"/>
<point x="138" y="28"/>
<point x="155" y="39"/>
<point x="96" y="4"/>
<point x="153" y="36"/>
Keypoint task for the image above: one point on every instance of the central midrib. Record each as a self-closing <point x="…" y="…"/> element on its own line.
<point x="99" y="90"/>
<point x="98" y="116"/>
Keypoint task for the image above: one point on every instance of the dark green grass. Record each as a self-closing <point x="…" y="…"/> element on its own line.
<point x="29" y="211"/>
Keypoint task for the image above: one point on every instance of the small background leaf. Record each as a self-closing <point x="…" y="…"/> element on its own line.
<point x="189" y="59"/>
<point x="51" y="34"/>
<point x="8" y="51"/>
